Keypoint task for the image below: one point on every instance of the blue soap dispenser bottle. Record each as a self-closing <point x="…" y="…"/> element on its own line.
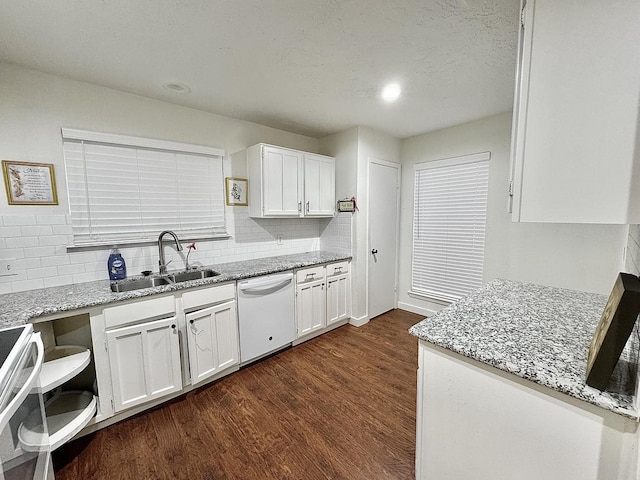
<point x="116" y="265"/>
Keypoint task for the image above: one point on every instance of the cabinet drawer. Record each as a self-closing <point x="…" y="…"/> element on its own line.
<point x="207" y="296"/>
<point x="338" y="268"/>
<point x="140" y="310"/>
<point x="309" y="274"/>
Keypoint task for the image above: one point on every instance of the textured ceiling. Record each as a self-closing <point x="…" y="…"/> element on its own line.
<point x="313" y="67"/>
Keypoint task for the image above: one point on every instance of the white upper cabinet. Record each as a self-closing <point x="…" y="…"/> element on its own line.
<point x="275" y="188"/>
<point x="575" y="142"/>
<point x="319" y="185"/>
<point x="289" y="183"/>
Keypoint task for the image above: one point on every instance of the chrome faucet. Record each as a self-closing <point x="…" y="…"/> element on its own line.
<point x="163" y="266"/>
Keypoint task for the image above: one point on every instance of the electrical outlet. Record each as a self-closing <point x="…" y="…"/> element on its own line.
<point x="8" y="267"/>
<point x="279" y="239"/>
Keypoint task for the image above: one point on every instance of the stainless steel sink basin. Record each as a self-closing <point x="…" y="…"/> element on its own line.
<point x="192" y="275"/>
<point x="146" y="282"/>
<point x="176" y="277"/>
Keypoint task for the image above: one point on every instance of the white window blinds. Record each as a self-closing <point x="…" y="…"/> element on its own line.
<point x="126" y="189"/>
<point x="449" y="217"/>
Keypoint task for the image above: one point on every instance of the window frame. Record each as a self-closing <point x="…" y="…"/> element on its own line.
<point x="433" y="294"/>
<point x="151" y="144"/>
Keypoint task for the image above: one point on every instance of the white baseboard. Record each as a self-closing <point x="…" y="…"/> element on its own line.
<point x="360" y="321"/>
<point x="427" y="312"/>
<point x="317" y="333"/>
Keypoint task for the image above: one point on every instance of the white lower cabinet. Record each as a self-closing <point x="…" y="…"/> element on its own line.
<point x="310" y="307"/>
<point x="310" y="300"/>
<point x="323" y="297"/>
<point x="338" y="298"/>
<point x="212" y="338"/>
<point x="338" y="292"/>
<point x="145" y="362"/>
<point x="151" y="342"/>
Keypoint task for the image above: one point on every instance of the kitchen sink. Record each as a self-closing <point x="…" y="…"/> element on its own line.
<point x="176" y="277"/>
<point x="192" y="275"/>
<point x="146" y="282"/>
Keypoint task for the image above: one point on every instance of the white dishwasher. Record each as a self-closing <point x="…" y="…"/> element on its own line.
<point x="266" y="315"/>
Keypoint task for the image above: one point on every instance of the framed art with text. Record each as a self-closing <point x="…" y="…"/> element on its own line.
<point x="29" y="183"/>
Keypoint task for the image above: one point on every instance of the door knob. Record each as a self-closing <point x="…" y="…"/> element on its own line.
<point x="374" y="251"/>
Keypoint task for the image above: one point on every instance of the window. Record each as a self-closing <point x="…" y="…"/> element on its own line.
<point x="127" y="189"/>
<point x="449" y="217"/>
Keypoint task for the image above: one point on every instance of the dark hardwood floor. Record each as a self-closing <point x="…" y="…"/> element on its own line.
<point x="340" y="406"/>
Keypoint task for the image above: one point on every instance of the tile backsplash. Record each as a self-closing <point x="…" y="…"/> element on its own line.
<point x="38" y="243"/>
<point x="632" y="263"/>
<point x="336" y="233"/>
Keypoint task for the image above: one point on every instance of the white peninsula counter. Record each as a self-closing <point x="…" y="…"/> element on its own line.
<point x="501" y="392"/>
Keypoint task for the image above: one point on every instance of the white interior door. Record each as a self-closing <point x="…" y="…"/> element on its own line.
<point x="384" y="181"/>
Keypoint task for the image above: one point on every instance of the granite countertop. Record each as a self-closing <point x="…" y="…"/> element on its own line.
<point x="22" y="307"/>
<point x="536" y="332"/>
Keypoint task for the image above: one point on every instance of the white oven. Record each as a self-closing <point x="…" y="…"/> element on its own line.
<point x="22" y="356"/>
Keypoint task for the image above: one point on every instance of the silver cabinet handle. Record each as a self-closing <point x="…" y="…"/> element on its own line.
<point x="307" y="207"/>
<point x="299" y="207"/>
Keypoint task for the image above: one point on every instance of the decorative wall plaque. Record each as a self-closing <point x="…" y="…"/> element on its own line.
<point x="614" y="328"/>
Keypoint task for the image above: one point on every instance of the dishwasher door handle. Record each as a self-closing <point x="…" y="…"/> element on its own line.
<point x="256" y="287"/>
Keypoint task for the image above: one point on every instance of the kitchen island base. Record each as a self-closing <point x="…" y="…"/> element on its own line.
<point x="476" y="421"/>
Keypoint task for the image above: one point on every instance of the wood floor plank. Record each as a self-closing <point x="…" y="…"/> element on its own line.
<point x="340" y="406"/>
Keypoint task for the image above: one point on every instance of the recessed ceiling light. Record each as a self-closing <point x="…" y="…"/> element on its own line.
<point x="391" y="92"/>
<point x="176" y="87"/>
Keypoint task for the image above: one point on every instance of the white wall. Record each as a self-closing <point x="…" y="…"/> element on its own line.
<point x="337" y="233"/>
<point x="575" y="256"/>
<point x="353" y="149"/>
<point x="371" y="145"/>
<point x="33" y="108"/>
<point x="344" y="147"/>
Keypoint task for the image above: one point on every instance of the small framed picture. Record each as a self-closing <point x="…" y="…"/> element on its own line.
<point x="237" y="191"/>
<point x="29" y="183"/>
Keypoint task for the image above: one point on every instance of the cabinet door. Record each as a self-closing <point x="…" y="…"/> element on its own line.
<point x="212" y="337"/>
<point x="575" y="116"/>
<point x="319" y="185"/>
<point x="310" y="307"/>
<point x="144" y="361"/>
<point x="338" y="298"/>
<point x="281" y="173"/>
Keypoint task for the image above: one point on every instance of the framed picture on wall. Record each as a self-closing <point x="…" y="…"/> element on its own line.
<point x="29" y="183"/>
<point x="237" y="191"/>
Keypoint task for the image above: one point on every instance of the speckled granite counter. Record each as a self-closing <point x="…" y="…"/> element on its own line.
<point x="22" y="307"/>
<point x="538" y="333"/>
